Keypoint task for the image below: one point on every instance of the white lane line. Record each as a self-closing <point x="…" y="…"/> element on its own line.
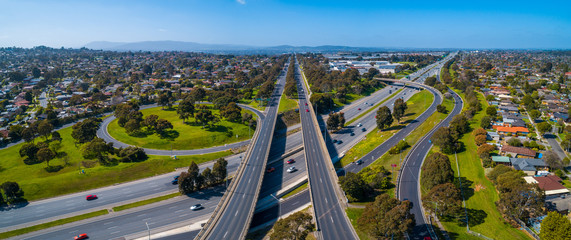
<point x="236" y="213"/>
<point x="182" y="210"/>
<point x="74" y="231"/>
<point x="321" y="180"/>
<point x="186" y="214"/>
<point x="107" y="223"/>
<point x="112" y="227"/>
<point x="146" y="219"/>
<point x="115" y="232"/>
<point x="249" y="180"/>
<point x="225" y="234"/>
<point x="170" y="208"/>
<point x="326" y="200"/>
<point x="146" y="214"/>
<point x="332" y="219"/>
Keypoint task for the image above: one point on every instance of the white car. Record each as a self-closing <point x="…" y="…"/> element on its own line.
<point x="196" y="207"/>
<point x="359" y="125"/>
<point x="291" y="169"/>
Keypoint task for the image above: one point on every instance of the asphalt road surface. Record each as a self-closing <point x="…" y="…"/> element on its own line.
<point x="235" y="220"/>
<point x="330" y="216"/>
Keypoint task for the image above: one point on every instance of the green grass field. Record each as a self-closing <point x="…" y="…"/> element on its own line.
<point x="287" y="104"/>
<point x="37" y="183"/>
<point x="189" y="135"/>
<point x="484" y="217"/>
<point x="353" y="214"/>
<point x="417" y="104"/>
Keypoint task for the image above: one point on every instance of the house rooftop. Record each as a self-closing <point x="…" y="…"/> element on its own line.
<point x="519" y="150"/>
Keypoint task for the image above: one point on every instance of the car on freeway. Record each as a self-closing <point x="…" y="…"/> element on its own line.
<point x="175" y="180"/>
<point x="196" y="207"/>
<point x="270" y="169"/>
<point x="334" y="140"/>
<point x="359" y="125"/>
<point x="390" y="91"/>
<point x="91" y="197"/>
<point x="290" y="161"/>
<point x="363" y="129"/>
<point x="305" y="104"/>
<point x="291" y="169"/>
<point x="306" y="110"/>
<point x="359" y="109"/>
<point x="352" y="134"/>
<point x="81" y="236"/>
<point x="359" y="162"/>
<point x="339" y="142"/>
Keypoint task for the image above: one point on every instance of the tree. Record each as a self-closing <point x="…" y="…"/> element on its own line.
<point x="384" y="117"/>
<point x="2" y="200"/>
<point x="165" y="99"/>
<point x="436" y="170"/>
<point x="204" y="116"/>
<point x="132" y="154"/>
<point x="29" y="150"/>
<point x="28" y="134"/>
<point x="323" y="102"/>
<point x="56" y="136"/>
<point x="387" y="217"/>
<point x="459" y="125"/>
<point x="197" y="94"/>
<point x="75" y="99"/>
<point x="219" y="170"/>
<point x="485" y="122"/>
<point x="151" y="121"/>
<point x="99" y="149"/>
<point x="492" y="111"/>
<point x="15" y="132"/>
<point x="185" y="109"/>
<point x="430" y="81"/>
<point x="336" y="121"/>
<point x="185" y="183"/>
<point x="132" y="126"/>
<point x="543" y="127"/>
<point x="85" y="130"/>
<point x="45" y="128"/>
<point x="354" y="186"/>
<point x="444" y="139"/>
<point x="555" y="227"/>
<point x="441" y="109"/>
<point x="208" y="177"/>
<point x="399" y="109"/>
<point x="480" y="131"/>
<point x="45" y="155"/>
<point x="443" y="199"/>
<point x="232" y="112"/>
<point x="480" y="139"/>
<point x="162" y="125"/>
<point x="552" y="160"/>
<point x="12" y="191"/>
<point x="534" y="114"/>
<point x="295" y="227"/>
<point x="36" y="72"/>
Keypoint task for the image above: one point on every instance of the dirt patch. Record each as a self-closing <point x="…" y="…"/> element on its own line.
<point x="479" y="187"/>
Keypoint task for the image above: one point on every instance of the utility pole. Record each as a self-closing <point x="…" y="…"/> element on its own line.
<point x="148" y="229"/>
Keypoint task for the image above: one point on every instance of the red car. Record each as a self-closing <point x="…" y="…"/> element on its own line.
<point x="359" y="109"/>
<point x="81" y="236"/>
<point x="305" y="104"/>
<point x="290" y="161"/>
<point x="90" y="197"/>
<point x="270" y="169"/>
<point x="307" y="110"/>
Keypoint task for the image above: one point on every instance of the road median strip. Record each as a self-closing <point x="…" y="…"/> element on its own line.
<point x="373" y="108"/>
<point x="145" y="202"/>
<point x="42" y="226"/>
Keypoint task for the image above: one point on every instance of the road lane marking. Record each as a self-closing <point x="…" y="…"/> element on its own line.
<point x="115" y="232"/>
<point x="146" y="219"/>
<point x="182" y="210"/>
<point x="236" y="213"/>
<point x="186" y="214"/>
<point x="146" y="214"/>
<point x="225" y="234"/>
<point x="107" y="223"/>
<point x="112" y="227"/>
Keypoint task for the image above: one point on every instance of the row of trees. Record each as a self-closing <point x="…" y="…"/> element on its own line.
<point x="385" y="117"/>
<point x="192" y="180"/>
<point x="131" y="119"/>
<point x="447" y="138"/>
<point x="336" y="121"/>
<point x="387" y="218"/>
<point x="290" y="89"/>
<point x="443" y="197"/>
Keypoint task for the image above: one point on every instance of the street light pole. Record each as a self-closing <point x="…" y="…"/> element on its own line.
<point x="148" y="229"/>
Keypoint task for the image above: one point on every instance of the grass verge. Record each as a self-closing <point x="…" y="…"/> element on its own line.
<point x="287" y="104"/>
<point x="373" y="108"/>
<point x="295" y="191"/>
<point x="38" y="227"/>
<point x="417" y="104"/>
<point x="481" y="195"/>
<point x="353" y="214"/>
<point x="37" y="183"/>
<point x="145" y="202"/>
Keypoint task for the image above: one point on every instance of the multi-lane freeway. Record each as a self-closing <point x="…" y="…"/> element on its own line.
<point x="279" y="178"/>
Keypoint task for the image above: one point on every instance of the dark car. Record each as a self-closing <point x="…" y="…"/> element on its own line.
<point x="363" y="129"/>
<point x="339" y="142"/>
<point x="91" y="197"/>
<point x="270" y="169"/>
<point x="175" y="180"/>
<point x="352" y="134"/>
<point x="290" y="161"/>
<point x="359" y="162"/>
<point x="334" y="140"/>
<point x="81" y="236"/>
<point x="359" y="109"/>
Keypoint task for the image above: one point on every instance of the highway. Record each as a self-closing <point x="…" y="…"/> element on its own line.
<point x="278" y="178"/>
<point x="236" y="216"/>
<point x="331" y="221"/>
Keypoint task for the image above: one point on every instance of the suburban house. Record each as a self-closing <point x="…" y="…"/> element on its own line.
<point x="493" y="136"/>
<point x="529" y="166"/>
<point x="551" y="184"/>
<point x="512" y="130"/>
<point x="518" y="151"/>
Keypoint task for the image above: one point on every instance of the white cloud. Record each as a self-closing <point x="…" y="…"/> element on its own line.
<point x="241" y="1"/>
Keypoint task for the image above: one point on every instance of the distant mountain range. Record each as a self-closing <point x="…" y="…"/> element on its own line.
<point x="226" y="48"/>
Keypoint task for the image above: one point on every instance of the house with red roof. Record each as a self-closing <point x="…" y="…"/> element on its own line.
<point x="551" y="184"/>
<point x="517" y="152"/>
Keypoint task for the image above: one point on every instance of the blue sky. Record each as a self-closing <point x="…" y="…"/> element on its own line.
<point x="380" y="23"/>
